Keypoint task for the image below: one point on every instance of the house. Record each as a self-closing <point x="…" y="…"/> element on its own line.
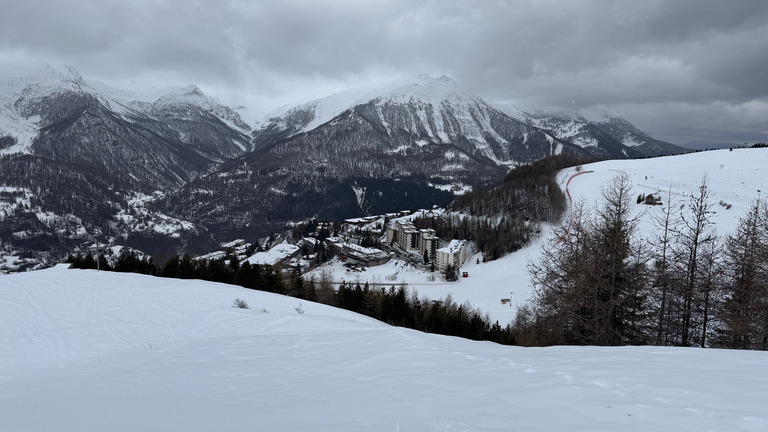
<point x="652" y="200"/>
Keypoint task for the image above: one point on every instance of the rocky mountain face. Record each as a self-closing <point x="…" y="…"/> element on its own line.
<point x="634" y="138"/>
<point x="173" y="172"/>
<point x="610" y="137"/>
<point x="350" y="155"/>
<point x="411" y="146"/>
<point x="73" y="157"/>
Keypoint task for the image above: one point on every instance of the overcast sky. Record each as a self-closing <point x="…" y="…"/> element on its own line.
<point x="683" y="71"/>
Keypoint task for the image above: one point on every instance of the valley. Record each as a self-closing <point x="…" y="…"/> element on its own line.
<point x="83" y="151"/>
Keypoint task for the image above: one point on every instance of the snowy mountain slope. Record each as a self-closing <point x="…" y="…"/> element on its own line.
<point x="21" y="85"/>
<point x="735" y="178"/>
<point x="202" y="122"/>
<point x="109" y="351"/>
<point x="420" y="111"/>
<point x="324" y="109"/>
<point x="440" y="109"/>
<point x="631" y="136"/>
<point x="610" y="136"/>
<point x="307" y="116"/>
<point x="25" y="87"/>
<point x="82" y="149"/>
<point x="408" y="146"/>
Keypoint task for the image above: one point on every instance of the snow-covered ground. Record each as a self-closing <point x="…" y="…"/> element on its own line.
<point x="484" y="288"/>
<point x="82" y="350"/>
<point x="735" y="177"/>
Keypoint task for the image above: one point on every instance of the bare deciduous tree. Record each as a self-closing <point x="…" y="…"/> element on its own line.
<point x="696" y="229"/>
<point x="745" y="312"/>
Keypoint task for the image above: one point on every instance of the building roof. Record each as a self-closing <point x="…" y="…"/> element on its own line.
<point x="453" y="247"/>
<point x="233" y="243"/>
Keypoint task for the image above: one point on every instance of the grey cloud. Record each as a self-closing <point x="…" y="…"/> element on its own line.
<point x="678" y="56"/>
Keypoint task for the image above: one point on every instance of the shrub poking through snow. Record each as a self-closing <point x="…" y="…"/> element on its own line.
<point x="240" y="304"/>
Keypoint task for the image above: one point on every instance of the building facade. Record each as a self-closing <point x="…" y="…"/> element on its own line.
<point x="452" y="255"/>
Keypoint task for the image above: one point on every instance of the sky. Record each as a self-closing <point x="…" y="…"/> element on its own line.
<point x="685" y="71"/>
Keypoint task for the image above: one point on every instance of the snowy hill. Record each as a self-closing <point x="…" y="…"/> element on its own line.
<point x="89" y="351"/>
<point x="735" y="179"/>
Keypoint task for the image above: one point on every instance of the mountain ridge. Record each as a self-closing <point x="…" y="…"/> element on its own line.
<point x="409" y="143"/>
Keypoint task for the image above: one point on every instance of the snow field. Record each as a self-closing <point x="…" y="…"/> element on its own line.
<point x="82" y="350"/>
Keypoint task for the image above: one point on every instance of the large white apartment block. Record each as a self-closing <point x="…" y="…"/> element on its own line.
<point x="403" y="234"/>
<point x="407" y="237"/>
<point x="452" y="255"/>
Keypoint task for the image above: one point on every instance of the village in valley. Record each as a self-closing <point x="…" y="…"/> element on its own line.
<point x="358" y="243"/>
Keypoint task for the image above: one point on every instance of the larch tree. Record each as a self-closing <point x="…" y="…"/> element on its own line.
<point x="556" y="278"/>
<point x="695" y="230"/>
<point x="664" y="219"/>
<point x="589" y="285"/>
<point x="709" y="290"/>
<point x="744" y="317"/>
<point x="619" y="274"/>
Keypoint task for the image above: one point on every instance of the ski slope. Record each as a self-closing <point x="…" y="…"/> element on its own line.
<point x="735" y="177"/>
<point x="82" y="350"/>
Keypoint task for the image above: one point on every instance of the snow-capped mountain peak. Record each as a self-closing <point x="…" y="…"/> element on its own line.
<point x="190" y="94"/>
<point x="428" y="90"/>
<point x="423" y="89"/>
<point x="22" y="86"/>
<point x="36" y="78"/>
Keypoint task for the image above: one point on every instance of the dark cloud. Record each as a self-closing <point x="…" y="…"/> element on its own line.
<point x="664" y="64"/>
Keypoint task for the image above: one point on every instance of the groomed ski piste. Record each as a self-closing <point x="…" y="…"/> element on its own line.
<point x="82" y="350"/>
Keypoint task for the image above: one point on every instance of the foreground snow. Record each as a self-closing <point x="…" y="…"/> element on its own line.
<point x="83" y="350"/>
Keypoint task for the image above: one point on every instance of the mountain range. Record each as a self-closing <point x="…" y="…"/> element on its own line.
<point x="178" y="171"/>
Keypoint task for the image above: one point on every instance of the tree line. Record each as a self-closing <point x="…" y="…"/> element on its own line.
<point x="599" y="283"/>
<point x="395" y="307"/>
<point x="391" y="306"/>
<point x="503" y="218"/>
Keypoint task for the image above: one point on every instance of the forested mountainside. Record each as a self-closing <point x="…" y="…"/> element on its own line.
<point x="115" y="165"/>
<point x="503" y="218"/>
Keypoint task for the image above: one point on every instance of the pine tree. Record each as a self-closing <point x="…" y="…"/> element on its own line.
<point x="187" y="268"/>
<point x="296" y="283"/>
<point x="88" y="262"/>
